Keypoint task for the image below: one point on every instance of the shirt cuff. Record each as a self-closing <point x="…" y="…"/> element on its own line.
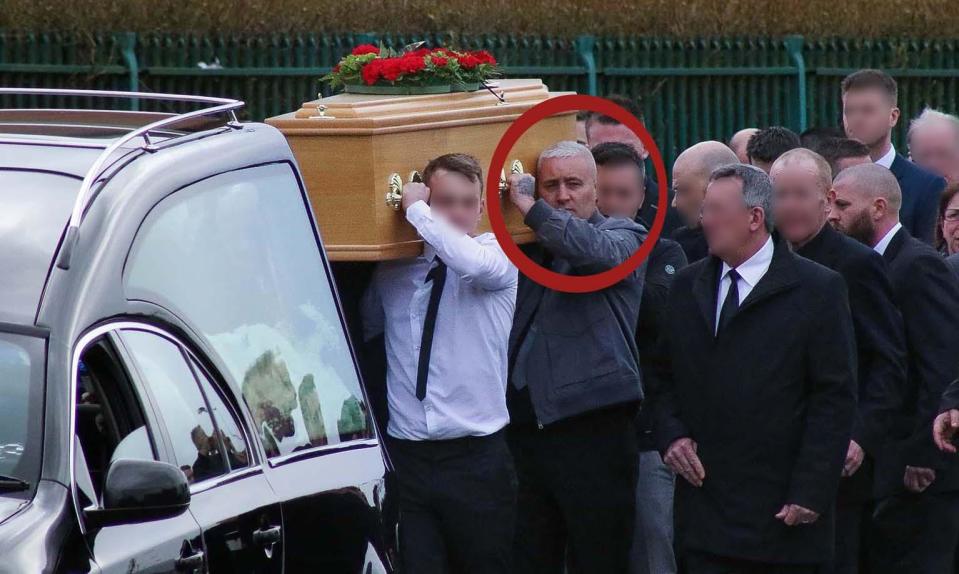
<point x="538" y="214"/>
<point x="417" y="212"/>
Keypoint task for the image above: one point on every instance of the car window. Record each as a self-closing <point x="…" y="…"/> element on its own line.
<point x="21" y="408"/>
<point x="236" y="256"/>
<point x="234" y="444"/>
<point x="36" y="207"/>
<point x="110" y="421"/>
<point x="181" y="405"/>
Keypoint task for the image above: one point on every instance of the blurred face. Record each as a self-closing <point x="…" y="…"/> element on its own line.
<point x="569" y="184"/>
<point x="935" y="147"/>
<point x="799" y="205"/>
<point x="845" y="162"/>
<point x="727" y="223"/>
<point x="602" y="133"/>
<point x="457" y="199"/>
<point x="950" y="225"/>
<point x="868" y="115"/>
<point x="853" y="212"/>
<point x="620" y="190"/>
<point x="689" y="188"/>
<point x="581" y="132"/>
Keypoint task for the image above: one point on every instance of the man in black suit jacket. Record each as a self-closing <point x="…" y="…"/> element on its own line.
<point x="917" y="516"/>
<point x="869" y="113"/>
<point x="755" y="401"/>
<point x="690" y="177"/>
<point x="802" y="182"/>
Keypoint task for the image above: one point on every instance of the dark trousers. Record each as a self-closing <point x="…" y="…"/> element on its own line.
<point x="915" y="533"/>
<point x="853" y="522"/>
<point x="457" y="502"/>
<point x="577" y="494"/>
<point x="704" y="563"/>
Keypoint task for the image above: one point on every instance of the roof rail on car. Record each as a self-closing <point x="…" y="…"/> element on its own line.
<point x="214" y="106"/>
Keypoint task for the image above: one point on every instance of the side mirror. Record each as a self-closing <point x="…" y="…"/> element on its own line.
<point x="140" y="491"/>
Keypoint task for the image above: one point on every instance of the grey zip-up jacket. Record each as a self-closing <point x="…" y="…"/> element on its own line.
<point x="576" y="352"/>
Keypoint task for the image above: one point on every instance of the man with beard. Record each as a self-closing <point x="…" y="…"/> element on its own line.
<point x="802" y="183"/>
<point x="916" y="520"/>
<point x="869" y="114"/>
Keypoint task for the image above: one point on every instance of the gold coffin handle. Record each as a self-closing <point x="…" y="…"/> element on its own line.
<point x="515" y="167"/>
<point x="394" y="196"/>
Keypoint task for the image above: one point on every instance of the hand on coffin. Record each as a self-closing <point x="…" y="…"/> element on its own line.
<point x="522" y="191"/>
<point x="414" y="191"/>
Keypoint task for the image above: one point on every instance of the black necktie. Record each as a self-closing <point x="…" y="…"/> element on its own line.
<point x="731" y="304"/>
<point x="437" y="275"/>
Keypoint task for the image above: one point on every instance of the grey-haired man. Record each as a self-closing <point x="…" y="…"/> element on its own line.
<point x="574" y="380"/>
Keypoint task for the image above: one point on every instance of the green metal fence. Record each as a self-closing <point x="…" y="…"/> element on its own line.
<point x="690" y="90"/>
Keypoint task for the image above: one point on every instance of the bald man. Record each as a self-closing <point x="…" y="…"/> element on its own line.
<point x="916" y="519"/>
<point x="691" y="172"/>
<point x="802" y="182"/>
<point x="739" y="141"/>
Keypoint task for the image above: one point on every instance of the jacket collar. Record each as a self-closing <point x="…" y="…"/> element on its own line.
<point x="780" y="276"/>
<point x="819" y="242"/>
<point x="896" y="245"/>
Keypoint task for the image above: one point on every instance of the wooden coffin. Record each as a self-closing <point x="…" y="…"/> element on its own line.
<point x="349" y="146"/>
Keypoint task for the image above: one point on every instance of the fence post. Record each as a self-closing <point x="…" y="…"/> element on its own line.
<point x="794" y="44"/>
<point x="585" y="47"/>
<point x="128" y="48"/>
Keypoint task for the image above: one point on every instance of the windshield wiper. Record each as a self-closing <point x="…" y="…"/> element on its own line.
<point x="12" y="483"/>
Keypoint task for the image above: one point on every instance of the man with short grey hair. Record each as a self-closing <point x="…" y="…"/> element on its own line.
<point x="574" y="383"/>
<point x="934" y="143"/>
<point x="757" y="426"/>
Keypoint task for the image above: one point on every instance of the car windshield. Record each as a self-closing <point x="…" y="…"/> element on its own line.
<point x="36" y="208"/>
<point x="21" y="411"/>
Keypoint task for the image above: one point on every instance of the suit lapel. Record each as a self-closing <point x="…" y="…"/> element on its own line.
<point x="780" y="276"/>
<point x="706" y="290"/>
<point x="895" y="245"/>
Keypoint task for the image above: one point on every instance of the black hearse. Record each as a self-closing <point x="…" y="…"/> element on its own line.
<point x="178" y="392"/>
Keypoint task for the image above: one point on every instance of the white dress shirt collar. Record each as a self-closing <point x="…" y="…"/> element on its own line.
<point x="886" y="160"/>
<point x="887" y="239"/>
<point x="753" y="269"/>
<point x="750" y="272"/>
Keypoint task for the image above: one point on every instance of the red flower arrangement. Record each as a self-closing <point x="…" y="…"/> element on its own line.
<point x="412" y="70"/>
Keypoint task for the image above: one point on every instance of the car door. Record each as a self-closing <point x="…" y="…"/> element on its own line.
<point x="112" y="421"/>
<point x="235" y="506"/>
<point x="259" y="293"/>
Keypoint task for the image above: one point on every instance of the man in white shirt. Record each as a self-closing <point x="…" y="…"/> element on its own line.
<point x="869" y="114"/>
<point x="447" y="316"/>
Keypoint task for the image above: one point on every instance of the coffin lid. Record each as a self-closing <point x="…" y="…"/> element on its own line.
<point x="359" y="114"/>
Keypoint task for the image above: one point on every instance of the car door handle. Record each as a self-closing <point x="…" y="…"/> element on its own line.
<point x="267" y="536"/>
<point x="190" y="563"/>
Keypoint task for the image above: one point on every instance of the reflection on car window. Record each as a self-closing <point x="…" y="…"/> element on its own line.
<point x="236" y="255"/>
<point x="109" y="419"/>
<point x="184" y="411"/>
<point x="228" y="428"/>
<point x="21" y="406"/>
